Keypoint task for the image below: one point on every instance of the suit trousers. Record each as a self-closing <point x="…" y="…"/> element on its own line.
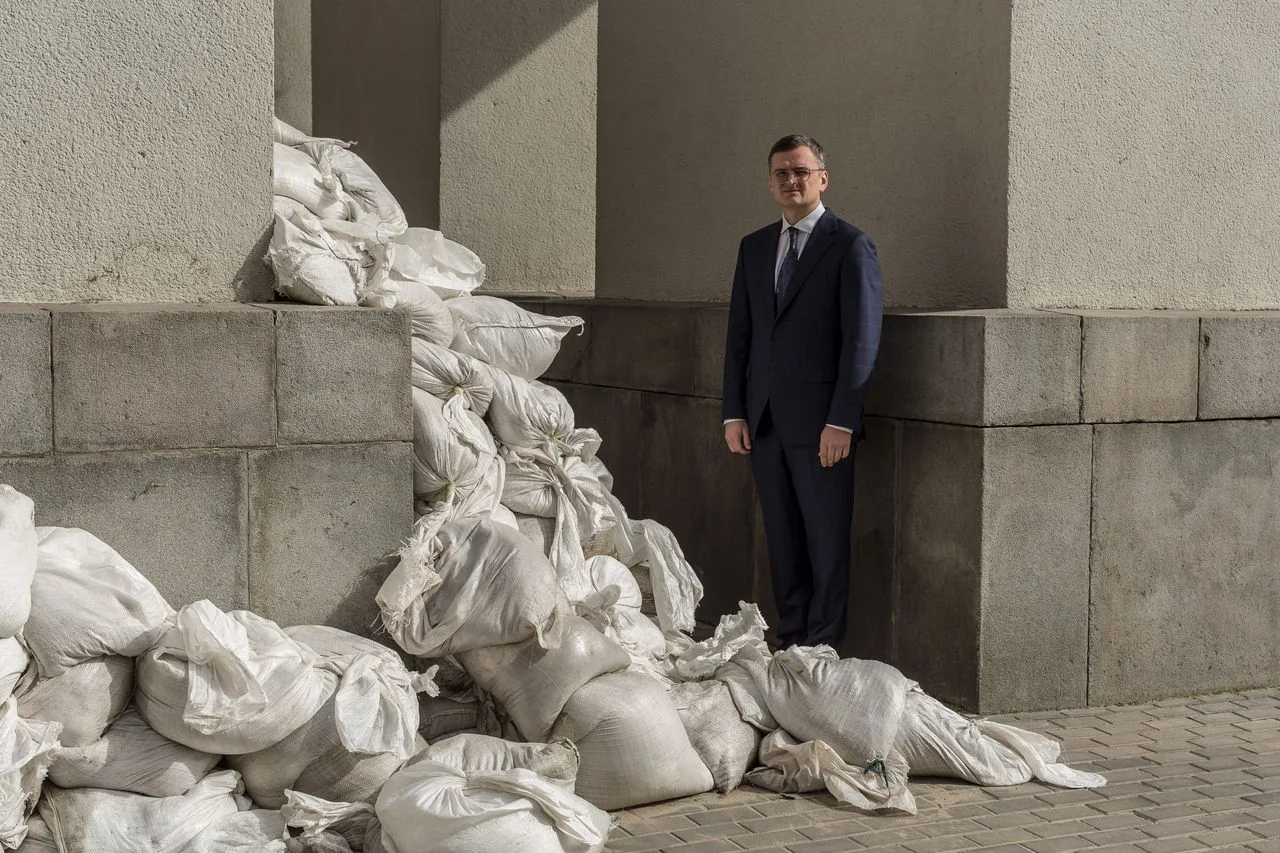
<point x="808" y="513"/>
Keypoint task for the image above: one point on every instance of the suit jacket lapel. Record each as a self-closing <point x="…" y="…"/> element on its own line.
<point x="816" y="246"/>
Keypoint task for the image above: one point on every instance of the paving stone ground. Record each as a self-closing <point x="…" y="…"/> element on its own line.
<point x="1183" y="774"/>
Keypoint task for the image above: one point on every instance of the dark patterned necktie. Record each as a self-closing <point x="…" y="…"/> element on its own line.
<point x="788" y="266"/>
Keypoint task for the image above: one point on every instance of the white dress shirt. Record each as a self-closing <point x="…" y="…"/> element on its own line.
<point x="805" y="228"/>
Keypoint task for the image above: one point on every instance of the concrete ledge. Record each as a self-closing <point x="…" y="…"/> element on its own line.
<point x="342" y="375"/>
<point x="26" y="381"/>
<point x="180" y="518"/>
<point x="138" y="377"/>
<point x="1240" y="365"/>
<point x="1139" y="366"/>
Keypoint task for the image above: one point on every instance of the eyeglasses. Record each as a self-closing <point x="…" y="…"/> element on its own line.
<point x="801" y="174"/>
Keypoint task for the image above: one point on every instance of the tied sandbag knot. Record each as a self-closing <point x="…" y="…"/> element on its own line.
<point x="877" y="766"/>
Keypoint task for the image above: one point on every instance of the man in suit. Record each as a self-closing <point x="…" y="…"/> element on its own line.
<point x="804" y="328"/>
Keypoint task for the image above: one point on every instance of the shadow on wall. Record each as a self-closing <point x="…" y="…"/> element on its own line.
<point x="255" y="281"/>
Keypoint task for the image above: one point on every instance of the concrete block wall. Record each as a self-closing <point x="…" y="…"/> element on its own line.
<point x="254" y="455"/>
<point x="1053" y="508"/>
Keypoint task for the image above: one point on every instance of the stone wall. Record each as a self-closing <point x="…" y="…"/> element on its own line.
<point x="254" y="455"/>
<point x="1053" y="509"/>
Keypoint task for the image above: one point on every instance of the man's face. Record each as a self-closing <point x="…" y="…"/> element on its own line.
<point x="788" y="188"/>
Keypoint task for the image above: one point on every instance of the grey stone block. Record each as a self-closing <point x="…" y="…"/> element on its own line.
<point x="1240" y="366"/>
<point x="647" y="346"/>
<point x="1032" y="371"/>
<point x="1035" y="568"/>
<point x="162" y="376"/>
<point x="1139" y="366"/>
<point x="871" y="584"/>
<point x="939" y="547"/>
<point x="26" y="381"/>
<point x="1186" y="540"/>
<point x="323" y="524"/>
<point x="179" y="518"/>
<point x="704" y="493"/>
<point x="342" y="375"/>
<point x="617" y="415"/>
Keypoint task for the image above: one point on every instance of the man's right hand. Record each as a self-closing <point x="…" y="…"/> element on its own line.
<point x="737" y="436"/>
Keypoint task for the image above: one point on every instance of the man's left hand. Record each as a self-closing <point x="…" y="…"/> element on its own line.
<point x="833" y="446"/>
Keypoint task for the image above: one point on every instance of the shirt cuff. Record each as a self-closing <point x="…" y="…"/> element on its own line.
<point x="842" y="429"/>
<point x="728" y="421"/>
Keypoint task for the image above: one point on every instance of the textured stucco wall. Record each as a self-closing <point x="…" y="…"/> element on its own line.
<point x="518" y="140"/>
<point x="1143" y="168"/>
<point x="910" y="99"/>
<point x="293" y="62"/>
<point x="137" y="149"/>
<point x="376" y="67"/>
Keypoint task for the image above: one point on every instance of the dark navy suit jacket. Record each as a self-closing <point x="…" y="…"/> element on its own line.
<point x="810" y="358"/>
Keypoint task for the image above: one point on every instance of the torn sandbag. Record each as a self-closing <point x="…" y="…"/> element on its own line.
<point x="734" y="632"/>
<point x="326" y="262"/>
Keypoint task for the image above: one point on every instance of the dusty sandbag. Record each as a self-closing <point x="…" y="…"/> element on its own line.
<point x="613" y="606"/>
<point x="253" y="831"/>
<point x="429" y="319"/>
<point x="792" y="767"/>
<point x="39" y="838"/>
<point x="287" y="208"/>
<point x="443" y="716"/>
<point x="503" y="334"/>
<point x="297" y="177"/>
<point x="26" y="750"/>
<point x="734" y="632"/>
<point x="447" y="375"/>
<point x="454" y="456"/>
<point x="87" y="601"/>
<point x="725" y="743"/>
<point x="229" y="683"/>
<point x="132" y="756"/>
<point x="633" y="746"/>
<point x="431" y="807"/>
<point x="746" y="696"/>
<point x="475" y="753"/>
<point x="530" y="414"/>
<point x="476" y="583"/>
<point x="326" y="262"/>
<point x="533" y="683"/>
<point x="937" y="741"/>
<point x="540" y="530"/>
<point x="18" y="554"/>
<point x="854" y="706"/>
<point x="317" y="817"/>
<point x="504" y="516"/>
<point x="85" y="700"/>
<point x="13" y="663"/>
<point x="118" y="822"/>
<point x="427" y="256"/>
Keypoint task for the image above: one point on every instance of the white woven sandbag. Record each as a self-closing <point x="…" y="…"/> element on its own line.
<point x="504" y="516"/>
<point x="454" y="457"/>
<point x="287" y="208"/>
<point x="132" y="756"/>
<point x="326" y="262"/>
<point x="540" y="530"/>
<point x="427" y="256"/>
<point x="633" y="746"/>
<point x="253" y="831"/>
<point x="746" y="696"/>
<point x="431" y="807"/>
<point x="937" y="741"/>
<point x="854" y="706"/>
<point x="792" y="767"/>
<point x="677" y="589"/>
<point x="318" y="818"/>
<point x="507" y="336"/>
<point x="13" y="663"/>
<point x="87" y="601"/>
<point x="85" y="700"/>
<point x="118" y="822"/>
<point x="725" y="743"/>
<point x="733" y="633"/>
<point x="446" y="375"/>
<point x="533" y="415"/>
<point x="477" y="583"/>
<point x="229" y="683"/>
<point x="613" y="606"/>
<point x="26" y="750"/>
<point x="18" y="545"/>
<point x="297" y="177"/>
<point x="532" y="684"/>
<point x="475" y="753"/>
<point x="39" y="838"/>
<point x="429" y="319"/>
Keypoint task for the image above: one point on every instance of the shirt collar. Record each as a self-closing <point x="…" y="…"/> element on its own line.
<point x="809" y="222"/>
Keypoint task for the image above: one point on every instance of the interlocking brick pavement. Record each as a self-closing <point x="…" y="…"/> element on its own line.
<point x="1183" y="774"/>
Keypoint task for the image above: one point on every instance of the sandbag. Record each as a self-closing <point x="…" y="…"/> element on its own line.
<point x="13" y="663"/>
<point x="792" y="767"/>
<point x="229" y="683"/>
<point x="118" y="822"/>
<point x="446" y="375"/>
<point x="429" y="319"/>
<point x="430" y="258"/>
<point x="854" y="706"/>
<point x="477" y="583"/>
<point x="725" y="743"/>
<point x="18" y="555"/>
<point x="326" y="262"/>
<point x="39" y="838"/>
<point x="87" y="601"/>
<point x="747" y="696"/>
<point x="475" y="753"/>
<point x="443" y="716"/>
<point x="26" y="750"/>
<point x="504" y="516"/>
<point x="633" y="746"/>
<point x="297" y="177"/>
<point x="320" y="820"/>
<point x="503" y="334"/>
<point x="937" y="741"/>
<point x="454" y="457"/>
<point x="84" y="700"/>
<point x="677" y="590"/>
<point x="535" y="416"/>
<point x="613" y="606"/>
<point x="253" y="831"/>
<point x="733" y="633"/>
<point x="533" y="683"/>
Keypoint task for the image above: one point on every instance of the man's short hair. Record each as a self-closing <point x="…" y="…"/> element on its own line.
<point x="793" y="141"/>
